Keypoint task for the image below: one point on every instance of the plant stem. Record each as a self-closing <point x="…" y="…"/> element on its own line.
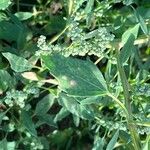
<point x="18" y="5"/>
<point x="57" y="36"/>
<point x="118" y="102"/>
<point x="132" y="127"/>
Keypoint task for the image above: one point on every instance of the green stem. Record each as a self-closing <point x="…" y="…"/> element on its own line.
<point x="130" y="122"/>
<point x="118" y="102"/>
<point x="57" y="36"/>
<point x="18" y="6"/>
<point x="70" y="6"/>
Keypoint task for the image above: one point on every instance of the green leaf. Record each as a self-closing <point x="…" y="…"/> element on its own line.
<point x="4" y="4"/>
<point x="44" y="105"/>
<point x="18" y="64"/>
<point x="89" y="6"/>
<point x="147" y="144"/>
<point x="127" y="49"/>
<point x="48" y="119"/>
<point x="126" y="138"/>
<point x="98" y="143"/>
<point x="113" y="141"/>
<point x="3" y="144"/>
<point x="73" y="106"/>
<point x="7" y="30"/>
<point x="134" y="31"/>
<point x="76" y="77"/>
<point x="61" y="114"/>
<point x="142" y="89"/>
<point x="128" y="2"/>
<point x="6" y="80"/>
<point x="6" y="145"/>
<point x="76" y="120"/>
<point x="91" y="100"/>
<point x="23" y="15"/>
<point x="88" y="11"/>
<point x="2" y="115"/>
<point x="28" y="123"/>
<point x="141" y="21"/>
<point x="79" y="4"/>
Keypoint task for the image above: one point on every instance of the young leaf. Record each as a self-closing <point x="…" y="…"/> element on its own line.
<point x="134" y="31"/>
<point x="128" y="2"/>
<point x="76" y="120"/>
<point x="18" y="64"/>
<point x="61" y="114"/>
<point x="147" y="143"/>
<point x="91" y="100"/>
<point x="2" y="115"/>
<point x="113" y="141"/>
<point x="44" y="105"/>
<point x="98" y="143"/>
<point x="89" y="6"/>
<point x="3" y="144"/>
<point x="127" y="49"/>
<point x="7" y="30"/>
<point x="46" y="119"/>
<point x="4" y="4"/>
<point x="76" y="77"/>
<point x="5" y="80"/>
<point x="141" y="21"/>
<point x="27" y="122"/>
<point x="73" y="106"/>
<point x="23" y="15"/>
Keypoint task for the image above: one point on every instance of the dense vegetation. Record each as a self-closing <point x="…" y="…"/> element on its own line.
<point x="75" y="74"/>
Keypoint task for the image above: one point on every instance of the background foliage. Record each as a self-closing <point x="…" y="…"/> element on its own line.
<point x="74" y="74"/>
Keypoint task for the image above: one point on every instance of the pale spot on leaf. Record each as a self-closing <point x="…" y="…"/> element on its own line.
<point x="73" y="83"/>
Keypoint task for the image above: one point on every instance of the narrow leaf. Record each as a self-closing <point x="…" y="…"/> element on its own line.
<point x="134" y="31"/>
<point x="113" y="141"/>
<point x="147" y="144"/>
<point x="127" y="49"/>
<point x="98" y="143"/>
<point x="141" y="21"/>
<point x="89" y="6"/>
<point x="76" y="120"/>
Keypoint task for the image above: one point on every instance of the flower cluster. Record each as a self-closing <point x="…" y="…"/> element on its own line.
<point x="82" y="43"/>
<point x="15" y="97"/>
<point x="41" y="43"/>
<point x="32" y="89"/>
<point x="92" y="43"/>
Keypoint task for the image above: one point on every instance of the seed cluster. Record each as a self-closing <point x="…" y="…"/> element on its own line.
<point x="82" y="43"/>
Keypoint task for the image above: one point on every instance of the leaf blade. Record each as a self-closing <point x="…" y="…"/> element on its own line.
<point x="17" y="63"/>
